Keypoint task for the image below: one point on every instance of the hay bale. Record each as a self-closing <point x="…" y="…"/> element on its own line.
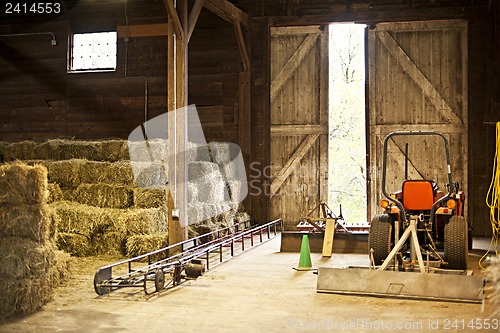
<point x="78" y="218"/>
<point x="141" y="244"/>
<point x="145" y="221"/>
<point x="71" y="173"/>
<point x="85" y="230"/>
<point x="236" y="191"/>
<point x="23" y="184"/>
<point x="199" y="171"/>
<point x="194" y="213"/>
<point x="89" y="221"/>
<point x="222" y="152"/>
<point x="112" y="151"/>
<point x="201" y="228"/>
<point x="198" y="152"/>
<point x="212" y="191"/>
<point x="59" y="271"/>
<point x="62" y="149"/>
<point x="75" y="244"/>
<point x="24" y="150"/>
<point x="102" y="195"/>
<point x="148" y="150"/>
<point x="34" y="222"/>
<point x="206" y="211"/>
<point x="150" y="174"/>
<point x="193" y="194"/>
<point x="55" y="193"/>
<point x="22" y="258"/>
<point x="150" y="198"/>
<point x="241" y="216"/>
<point x="25" y="296"/>
<point x="107" y="243"/>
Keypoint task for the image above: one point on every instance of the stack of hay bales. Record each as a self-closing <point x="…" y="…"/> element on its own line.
<point x="101" y="207"/>
<point x="30" y="265"/>
<point x="93" y="191"/>
<point x="214" y="185"/>
<point x="111" y="196"/>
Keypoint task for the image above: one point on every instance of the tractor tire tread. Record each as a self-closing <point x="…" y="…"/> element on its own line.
<point x="379" y="238"/>
<point x="456" y="243"/>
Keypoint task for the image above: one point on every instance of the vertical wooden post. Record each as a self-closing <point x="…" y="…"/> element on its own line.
<point x="177" y="122"/>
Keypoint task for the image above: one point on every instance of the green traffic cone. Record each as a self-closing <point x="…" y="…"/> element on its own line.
<point x="305" y="255"/>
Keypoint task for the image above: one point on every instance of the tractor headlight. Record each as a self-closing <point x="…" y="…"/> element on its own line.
<point x="451" y="204"/>
<point x="384" y="203"/>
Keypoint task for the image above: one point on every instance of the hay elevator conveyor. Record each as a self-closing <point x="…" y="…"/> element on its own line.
<point x="159" y="270"/>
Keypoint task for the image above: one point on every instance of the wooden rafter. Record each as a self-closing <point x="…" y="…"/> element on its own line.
<point x="193" y="17"/>
<point x="242" y="46"/>
<point x="292" y="64"/>
<point x="227" y="11"/>
<point x="172" y="13"/>
<point x="293" y="162"/>
<point x="416" y="74"/>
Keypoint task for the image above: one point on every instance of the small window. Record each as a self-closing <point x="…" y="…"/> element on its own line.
<point x="93" y="51"/>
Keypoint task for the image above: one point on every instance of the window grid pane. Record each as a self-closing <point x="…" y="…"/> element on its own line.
<point x="93" y="51"/>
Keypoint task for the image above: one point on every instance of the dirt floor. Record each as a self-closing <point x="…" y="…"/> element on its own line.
<point x="255" y="292"/>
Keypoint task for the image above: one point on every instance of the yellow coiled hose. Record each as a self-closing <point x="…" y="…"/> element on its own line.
<point x="493" y="199"/>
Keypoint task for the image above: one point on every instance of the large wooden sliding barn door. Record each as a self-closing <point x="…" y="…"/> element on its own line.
<point x="418" y="82"/>
<point x="299" y="121"/>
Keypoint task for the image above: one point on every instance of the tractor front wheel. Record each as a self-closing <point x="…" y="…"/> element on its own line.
<point x="379" y="238"/>
<point x="456" y="243"/>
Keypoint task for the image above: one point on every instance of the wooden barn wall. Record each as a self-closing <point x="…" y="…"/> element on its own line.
<point x="39" y="100"/>
<point x="482" y="18"/>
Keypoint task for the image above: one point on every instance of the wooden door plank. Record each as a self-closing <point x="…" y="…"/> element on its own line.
<point x="443" y="128"/>
<point x="292" y="64"/>
<point x="292" y="163"/>
<point x="298" y="129"/>
<point x="412" y="69"/>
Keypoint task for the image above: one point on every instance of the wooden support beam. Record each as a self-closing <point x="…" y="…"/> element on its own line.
<point x="142" y="30"/>
<point x="193" y="17"/>
<point x="172" y="13"/>
<point x="228" y="12"/>
<point x="292" y="163"/>
<point x="242" y="45"/>
<point x="177" y="85"/>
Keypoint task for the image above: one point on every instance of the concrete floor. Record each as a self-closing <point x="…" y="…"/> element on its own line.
<point x="255" y="292"/>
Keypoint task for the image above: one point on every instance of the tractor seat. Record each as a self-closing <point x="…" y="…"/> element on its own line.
<point x="418" y="195"/>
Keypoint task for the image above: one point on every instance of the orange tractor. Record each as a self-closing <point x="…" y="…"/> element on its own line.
<point x="418" y="222"/>
<point x="435" y="217"/>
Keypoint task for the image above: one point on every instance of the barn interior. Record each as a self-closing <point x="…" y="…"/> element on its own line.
<point x="130" y="126"/>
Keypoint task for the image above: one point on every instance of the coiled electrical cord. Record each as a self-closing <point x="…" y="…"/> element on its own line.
<point x="493" y="199"/>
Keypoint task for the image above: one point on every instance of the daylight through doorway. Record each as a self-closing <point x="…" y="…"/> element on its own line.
<point x="347" y="125"/>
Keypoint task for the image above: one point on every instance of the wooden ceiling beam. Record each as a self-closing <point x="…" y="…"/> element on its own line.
<point x="172" y="13"/>
<point x="193" y="17"/>
<point x="242" y="46"/>
<point x="228" y="12"/>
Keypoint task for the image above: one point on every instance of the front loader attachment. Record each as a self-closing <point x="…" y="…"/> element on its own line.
<point x="443" y="285"/>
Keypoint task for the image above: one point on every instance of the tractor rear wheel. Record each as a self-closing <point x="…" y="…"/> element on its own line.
<point x="379" y="238"/>
<point x="456" y="243"/>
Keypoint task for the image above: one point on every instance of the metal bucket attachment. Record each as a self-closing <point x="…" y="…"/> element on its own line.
<point x="429" y="286"/>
